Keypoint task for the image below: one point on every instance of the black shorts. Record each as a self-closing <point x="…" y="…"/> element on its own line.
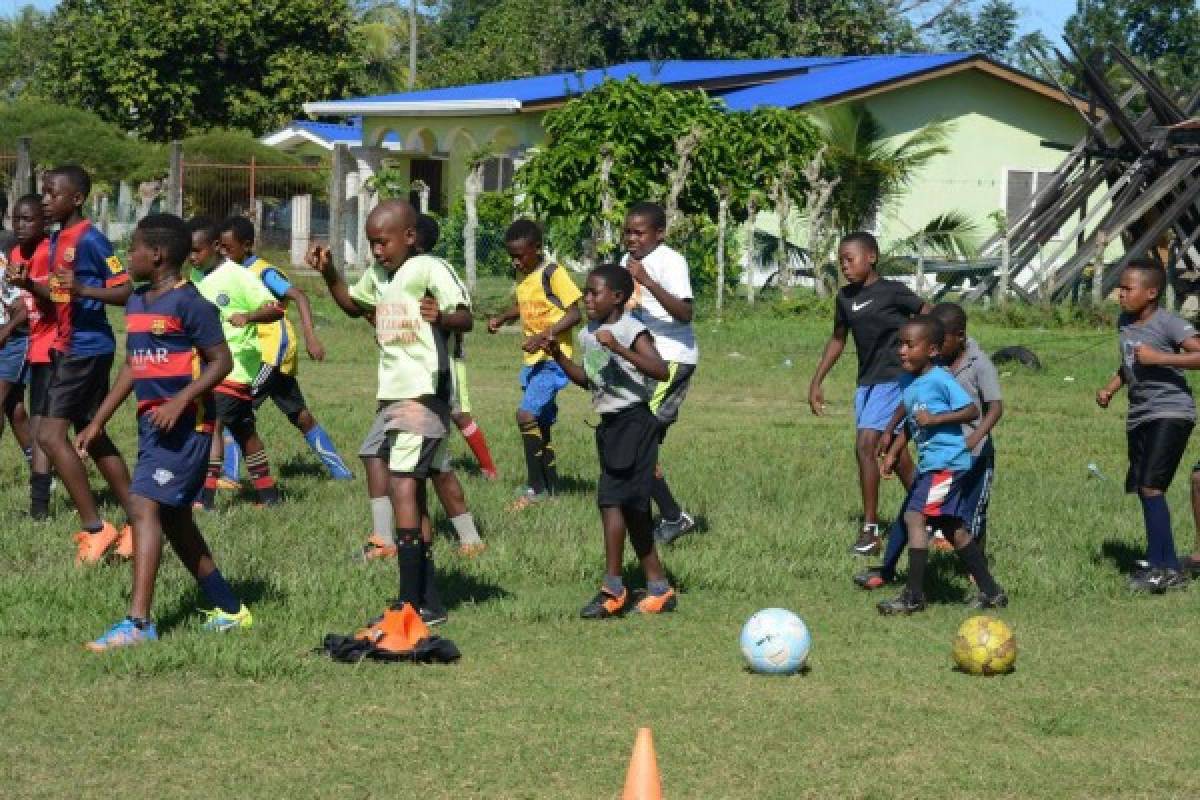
<point x="283" y="389"/>
<point x="627" y="442"/>
<point x="670" y="394"/>
<point x="235" y="410"/>
<point x="39" y="388"/>
<point x="1155" y="450"/>
<point x="78" y="385"/>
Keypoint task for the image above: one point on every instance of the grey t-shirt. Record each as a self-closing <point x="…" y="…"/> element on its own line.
<point x="977" y="375"/>
<point x="1155" y="392"/>
<point x="615" y="383"/>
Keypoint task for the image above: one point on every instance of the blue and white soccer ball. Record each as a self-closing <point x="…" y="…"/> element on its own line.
<point x="775" y="641"/>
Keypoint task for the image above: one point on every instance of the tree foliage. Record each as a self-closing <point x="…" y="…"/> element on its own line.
<point x="1161" y="34"/>
<point x="66" y="135"/>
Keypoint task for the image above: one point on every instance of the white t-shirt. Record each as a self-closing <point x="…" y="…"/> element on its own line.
<point x="675" y="340"/>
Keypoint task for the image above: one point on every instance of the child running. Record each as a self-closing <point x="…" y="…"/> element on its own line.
<point x="937" y="408"/>
<point x="418" y="303"/>
<point x="14" y="349"/>
<point x="175" y="354"/>
<point x="548" y="307"/>
<point x="973" y="370"/>
<point x="1156" y="346"/>
<point x="871" y="308"/>
<point x="277" y="377"/>
<point x="620" y="368"/>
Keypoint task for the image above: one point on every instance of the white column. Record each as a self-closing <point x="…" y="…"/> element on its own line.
<point x="301" y="227"/>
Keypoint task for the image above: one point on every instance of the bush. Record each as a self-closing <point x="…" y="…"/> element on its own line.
<point x="495" y="215"/>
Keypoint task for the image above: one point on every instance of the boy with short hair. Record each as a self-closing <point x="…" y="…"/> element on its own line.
<point x="418" y="302"/>
<point x="1155" y="347"/>
<point x="937" y="408"/>
<point x="243" y="303"/>
<point x="872" y="309"/>
<point x="85" y="276"/>
<point x="548" y="307"/>
<point x="971" y="368"/>
<point x="277" y="378"/>
<point x="662" y="301"/>
<point x="175" y="356"/>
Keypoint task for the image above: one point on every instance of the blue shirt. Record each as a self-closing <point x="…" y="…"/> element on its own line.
<point x="941" y="446"/>
<point x="83" y="329"/>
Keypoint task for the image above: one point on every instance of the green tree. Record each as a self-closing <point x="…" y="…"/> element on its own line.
<point x="989" y="31"/>
<point x="1161" y="34"/>
<point x="66" y="135"/>
<point x="21" y="50"/>
<point x="162" y="69"/>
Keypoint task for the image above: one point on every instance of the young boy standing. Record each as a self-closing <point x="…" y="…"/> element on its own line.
<point x="548" y="307"/>
<point x="871" y="308"/>
<point x="242" y="303"/>
<point x="277" y="378"/>
<point x="937" y="408"/>
<point x="175" y="356"/>
<point x="1155" y="347"/>
<point x="662" y="302"/>
<point x="418" y="303"/>
<point x="14" y="348"/>
<point x="620" y="366"/>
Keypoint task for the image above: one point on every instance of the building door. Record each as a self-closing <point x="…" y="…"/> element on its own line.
<point x="429" y="171"/>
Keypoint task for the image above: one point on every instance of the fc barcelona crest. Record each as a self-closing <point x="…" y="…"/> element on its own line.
<point x="159" y="326"/>
<point x="69" y="255"/>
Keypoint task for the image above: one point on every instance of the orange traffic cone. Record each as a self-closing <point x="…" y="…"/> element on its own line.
<point x="642" y="782"/>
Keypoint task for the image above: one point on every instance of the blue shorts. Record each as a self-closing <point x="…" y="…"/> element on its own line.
<point x="13" y="368"/>
<point x="939" y="494"/>
<point x="171" y="465"/>
<point x="977" y="491"/>
<point x="874" y="405"/>
<point x="542" y="382"/>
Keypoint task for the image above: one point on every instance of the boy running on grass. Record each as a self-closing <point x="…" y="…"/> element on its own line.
<point x="548" y="307"/>
<point x="175" y="354"/>
<point x="1156" y="346"/>
<point x="418" y="303"/>
<point x="662" y="301"/>
<point x="974" y="372"/>
<point x="277" y="377"/>
<point x="871" y="308"/>
<point x="243" y="303"/>
<point x="620" y="368"/>
<point x="937" y="408"/>
<point x="14" y="350"/>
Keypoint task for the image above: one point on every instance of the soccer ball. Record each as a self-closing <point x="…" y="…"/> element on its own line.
<point x="985" y="646"/>
<point x="775" y="641"/>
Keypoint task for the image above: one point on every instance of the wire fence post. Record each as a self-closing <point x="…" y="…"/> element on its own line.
<point x="1005" y="261"/>
<point x="23" y="175"/>
<point x="722" y="214"/>
<point x="175" y="179"/>
<point x="337" y="205"/>
<point x="473" y="186"/>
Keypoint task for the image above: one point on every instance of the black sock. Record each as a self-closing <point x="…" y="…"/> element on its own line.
<point x="973" y="559"/>
<point x="430" y="599"/>
<point x="39" y="495"/>
<point x="917" y="559"/>
<point x="531" y="438"/>
<point x="549" y="461"/>
<point x="408" y="558"/>
<point x="668" y="509"/>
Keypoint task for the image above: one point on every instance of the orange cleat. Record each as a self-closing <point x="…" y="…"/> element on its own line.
<point x="124" y="547"/>
<point x="377" y="547"/>
<point x="471" y="550"/>
<point x="228" y="484"/>
<point x="656" y="604"/>
<point x="91" y="547"/>
<point x="941" y="543"/>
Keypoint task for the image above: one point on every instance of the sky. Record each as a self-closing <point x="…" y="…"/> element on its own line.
<point x="1049" y="16"/>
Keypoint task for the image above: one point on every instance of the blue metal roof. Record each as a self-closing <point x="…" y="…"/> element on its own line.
<point x="833" y="80"/>
<point x="350" y="133"/>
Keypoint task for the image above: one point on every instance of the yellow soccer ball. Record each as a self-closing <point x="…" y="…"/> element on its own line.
<point x="985" y="646"/>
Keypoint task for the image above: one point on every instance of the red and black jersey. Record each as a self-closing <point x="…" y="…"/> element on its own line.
<point x="43" y="323"/>
<point x="163" y="346"/>
<point x="83" y="328"/>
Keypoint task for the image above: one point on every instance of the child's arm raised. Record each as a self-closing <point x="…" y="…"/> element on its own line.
<point x="573" y="370"/>
<point x="459" y="320"/>
<point x="267" y="312"/>
<point x="1147" y="356"/>
<point x="643" y="355"/>
<point x="500" y="320"/>
<point x="968" y="413"/>
<point x="320" y="259"/>
<point x="109" y="295"/>
<point x="833" y="351"/>
<point x="678" y="307"/>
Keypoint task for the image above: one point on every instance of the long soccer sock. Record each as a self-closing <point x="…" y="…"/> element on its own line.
<point x="668" y="508"/>
<point x="259" y="468"/>
<point x="410" y="562"/>
<point x="233" y="457"/>
<point x="219" y="592"/>
<point x="382" y="519"/>
<point x="976" y="564"/>
<point x="1160" y="542"/>
<point x="531" y="438"/>
<point x="614" y="585"/>
<point x="549" y="461"/>
<point x="320" y="443"/>
<point x="430" y="598"/>
<point x="897" y="538"/>
<point x="478" y="444"/>
<point x="464" y="526"/>
<point x="917" y="559"/>
<point x="39" y="495"/>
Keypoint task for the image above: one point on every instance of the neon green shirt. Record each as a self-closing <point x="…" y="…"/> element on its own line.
<point x="414" y="357"/>
<point x="235" y="290"/>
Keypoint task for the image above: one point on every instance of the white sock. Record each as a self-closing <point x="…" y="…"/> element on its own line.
<point x="381" y="518"/>
<point x="464" y="526"/>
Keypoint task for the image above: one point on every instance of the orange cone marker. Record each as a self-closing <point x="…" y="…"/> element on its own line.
<point x="643" y="782"/>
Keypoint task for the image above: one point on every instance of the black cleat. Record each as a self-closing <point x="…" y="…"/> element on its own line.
<point x="433" y="616"/>
<point x="905" y="604"/>
<point x="867" y="543"/>
<point x="872" y="579"/>
<point x="997" y="600"/>
<point x="670" y="530"/>
<point x="605" y="605"/>
<point x="1158" y="581"/>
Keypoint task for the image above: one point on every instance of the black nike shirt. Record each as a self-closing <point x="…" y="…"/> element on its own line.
<point x="874" y="315"/>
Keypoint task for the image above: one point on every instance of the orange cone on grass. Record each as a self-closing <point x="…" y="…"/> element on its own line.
<point x="642" y="781"/>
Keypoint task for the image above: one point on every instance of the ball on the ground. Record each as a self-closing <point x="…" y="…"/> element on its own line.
<point x="775" y="641"/>
<point x="985" y="646"/>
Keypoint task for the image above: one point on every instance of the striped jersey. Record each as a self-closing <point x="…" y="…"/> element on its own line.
<point x="165" y="336"/>
<point x="83" y="328"/>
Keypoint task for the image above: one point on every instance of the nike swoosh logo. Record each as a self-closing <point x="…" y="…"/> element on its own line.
<point x="856" y="307"/>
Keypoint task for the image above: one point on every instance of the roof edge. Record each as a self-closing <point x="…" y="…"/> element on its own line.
<point x="401" y="108"/>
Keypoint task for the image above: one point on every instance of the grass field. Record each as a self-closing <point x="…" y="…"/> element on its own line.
<point x="544" y="705"/>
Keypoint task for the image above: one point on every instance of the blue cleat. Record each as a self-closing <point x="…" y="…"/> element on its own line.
<point x="125" y="633"/>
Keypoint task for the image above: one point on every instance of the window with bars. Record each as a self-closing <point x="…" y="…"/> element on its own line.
<point x="497" y="174"/>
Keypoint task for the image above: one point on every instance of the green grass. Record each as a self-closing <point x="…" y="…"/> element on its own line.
<point x="544" y="705"/>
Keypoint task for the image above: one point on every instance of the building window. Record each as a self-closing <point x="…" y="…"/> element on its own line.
<point x="497" y="174"/>
<point x="1020" y="187"/>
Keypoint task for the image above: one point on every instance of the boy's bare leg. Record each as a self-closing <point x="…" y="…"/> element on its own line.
<point x="52" y="436"/>
<point x="1194" y="559"/>
<point x="147" y="554"/>
<point x="188" y="543"/>
<point x="865" y="445"/>
<point x="112" y="467"/>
